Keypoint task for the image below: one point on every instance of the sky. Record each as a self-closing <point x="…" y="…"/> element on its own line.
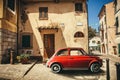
<point x="94" y="7"/>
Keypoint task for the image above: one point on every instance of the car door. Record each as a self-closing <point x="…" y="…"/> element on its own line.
<point x="62" y="57"/>
<point x="77" y="59"/>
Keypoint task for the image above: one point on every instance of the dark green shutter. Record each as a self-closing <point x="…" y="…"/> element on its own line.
<point x="119" y="48"/>
<point x="11" y="4"/>
<point x="26" y="41"/>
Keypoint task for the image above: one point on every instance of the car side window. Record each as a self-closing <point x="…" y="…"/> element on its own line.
<point x="75" y="53"/>
<point x="62" y="53"/>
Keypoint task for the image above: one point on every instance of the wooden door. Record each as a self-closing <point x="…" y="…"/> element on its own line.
<point x="49" y="44"/>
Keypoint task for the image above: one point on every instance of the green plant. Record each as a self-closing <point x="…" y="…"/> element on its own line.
<point x="23" y="58"/>
<point x="18" y="58"/>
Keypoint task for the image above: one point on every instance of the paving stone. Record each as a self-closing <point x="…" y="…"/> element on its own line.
<point x="41" y="72"/>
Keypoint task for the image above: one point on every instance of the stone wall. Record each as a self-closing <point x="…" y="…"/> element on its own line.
<point x="7" y="40"/>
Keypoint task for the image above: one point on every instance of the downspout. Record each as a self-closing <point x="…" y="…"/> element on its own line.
<point x="18" y="12"/>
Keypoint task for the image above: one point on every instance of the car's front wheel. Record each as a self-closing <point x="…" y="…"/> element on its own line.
<point x="56" y="68"/>
<point x="95" y="67"/>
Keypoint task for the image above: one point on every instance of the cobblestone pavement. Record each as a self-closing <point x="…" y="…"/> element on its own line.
<point x="13" y="72"/>
<point x="112" y="62"/>
<point x="41" y="72"/>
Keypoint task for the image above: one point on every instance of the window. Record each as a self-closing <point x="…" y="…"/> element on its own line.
<point x="119" y="49"/>
<point x="102" y="35"/>
<point x="117" y="24"/>
<point x="78" y="34"/>
<point x="98" y="42"/>
<point x="115" y="2"/>
<point x="105" y="20"/>
<point x="62" y="53"/>
<point x="93" y="42"/>
<point x="26" y="41"/>
<point x="11" y="4"/>
<point x="43" y="12"/>
<point x="75" y="52"/>
<point x="106" y="35"/>
<point x="56" y="1"/>
<point x="78" y="7"/>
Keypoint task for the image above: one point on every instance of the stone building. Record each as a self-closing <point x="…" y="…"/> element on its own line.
<point x="94" y="44"/>
<point x="117" y="23"/>
<point x="8" y="28"/>
<point x="107" y="29"/>
<point x="47" y="25"/>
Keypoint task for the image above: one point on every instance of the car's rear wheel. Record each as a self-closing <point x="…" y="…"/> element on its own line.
<point x="56" y="68"/>
<point x="95" y="67"/>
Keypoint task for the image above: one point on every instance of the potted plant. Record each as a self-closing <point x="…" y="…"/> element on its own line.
<point x="23" y="58"/>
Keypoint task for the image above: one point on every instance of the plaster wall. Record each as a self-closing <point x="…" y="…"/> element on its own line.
<point x="61" y="13"/>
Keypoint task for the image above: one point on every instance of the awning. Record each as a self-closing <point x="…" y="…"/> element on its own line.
<point x="50" y="27"/>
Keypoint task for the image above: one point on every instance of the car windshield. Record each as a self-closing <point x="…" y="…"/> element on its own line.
<point x="83" y="52"/>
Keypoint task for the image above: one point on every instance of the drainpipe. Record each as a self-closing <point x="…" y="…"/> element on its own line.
<point x="18" y="12"/>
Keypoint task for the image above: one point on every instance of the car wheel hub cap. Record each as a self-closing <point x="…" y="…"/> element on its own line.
<point x="56" y="68"/>
<point x="96" y="68"/>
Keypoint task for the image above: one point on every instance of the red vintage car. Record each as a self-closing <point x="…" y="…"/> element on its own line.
<point x="73" y="59"/>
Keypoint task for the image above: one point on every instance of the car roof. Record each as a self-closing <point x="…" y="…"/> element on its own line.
<point x="72" y="48"/>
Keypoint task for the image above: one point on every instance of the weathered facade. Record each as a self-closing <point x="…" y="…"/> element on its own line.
<point x="8" y="28"/>
<point x="117" y="23"/>
<point x="47" y="25"/>
<point x="107" y="29"/>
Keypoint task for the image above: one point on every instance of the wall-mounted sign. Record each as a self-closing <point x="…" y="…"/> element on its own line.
<point x="79" y="24"/>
